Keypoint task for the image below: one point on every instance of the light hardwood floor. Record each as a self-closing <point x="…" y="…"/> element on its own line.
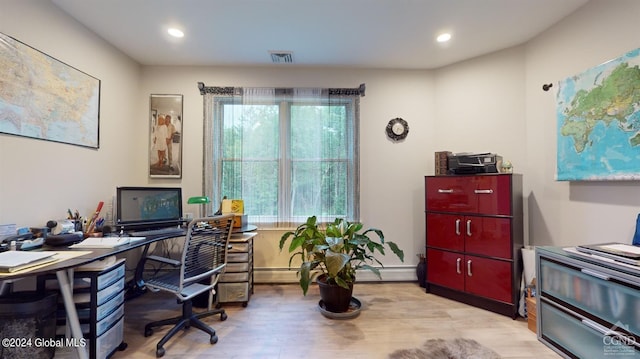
<point x="279" y="323"/>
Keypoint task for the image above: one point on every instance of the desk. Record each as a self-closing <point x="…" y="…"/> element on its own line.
<point x="64" y="274"/>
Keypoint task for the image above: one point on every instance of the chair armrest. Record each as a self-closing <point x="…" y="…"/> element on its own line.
<point x="213" y="272"/>
<point x="170" y="261"/>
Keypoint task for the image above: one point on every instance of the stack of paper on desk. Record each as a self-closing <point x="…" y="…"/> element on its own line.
<point x="12" y="261"/>
<point x="102" y="242"/>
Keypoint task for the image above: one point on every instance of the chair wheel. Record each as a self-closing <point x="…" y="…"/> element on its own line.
<point x="122" y="346"/>
<point x="148" y="332"/>
<point x="213" y="339"/>
<point x="244" y="305"/>
<point x="223" y="317"/>
<point x="159" y="352"/>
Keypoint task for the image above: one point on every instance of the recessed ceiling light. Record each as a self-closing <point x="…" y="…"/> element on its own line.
<point x="175" y="32"/>
<point x="443" y="37"/>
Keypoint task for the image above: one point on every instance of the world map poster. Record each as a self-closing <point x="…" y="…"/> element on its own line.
<point x="599" y="122"/>
<point x="43" y="98"/>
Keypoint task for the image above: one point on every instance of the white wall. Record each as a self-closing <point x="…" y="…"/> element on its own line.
<point x="480" y="106"/>
<point x="491" y="103"/>
<point x="569" y="213"/>
<point x="40" y="180"/>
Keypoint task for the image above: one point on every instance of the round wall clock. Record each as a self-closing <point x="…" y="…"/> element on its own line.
<point x="397" y="129"/>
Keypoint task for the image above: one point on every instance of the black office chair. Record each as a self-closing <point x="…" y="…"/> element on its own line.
<point x="203" y="261"/>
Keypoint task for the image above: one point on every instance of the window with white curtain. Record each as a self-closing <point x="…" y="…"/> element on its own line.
<point x="287" y="153"/>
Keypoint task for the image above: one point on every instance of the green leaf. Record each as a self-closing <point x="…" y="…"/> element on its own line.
<point x="293" y="256"/>
<point x="341" y="282"/>
<point x="353" y="228"/>
<point x="376" y="231"/>
<point x="335" y="243"/>
<point x="335" y="262"/>
<point x="295" y="243"/>
<point x="284" y="238"/>
<point x="395" y="249"/>
<point x="311" y="222"/>
<point x="305" y="277"/>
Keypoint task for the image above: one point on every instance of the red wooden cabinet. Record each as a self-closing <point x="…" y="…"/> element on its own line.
<point x="473" y="239"/>
<point x="486" y="194"/>
<point x="445" y="268"/>
<point x="488" y="236"/>
<point x="488" y="278"/>
<point x="476" y="275"/>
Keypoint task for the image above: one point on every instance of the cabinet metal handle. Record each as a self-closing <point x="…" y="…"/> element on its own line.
<point x="440" y="190"/>
<point x="458" y="266"/>
<point x="624" y="338"/>
<point x="597" y="327"/>
<point x="469" y="268"/>
<point x="595" y="274"/>
<point x="458" y="227"/>
<point x="469" y="227"/>
<point x="483" y="191"/>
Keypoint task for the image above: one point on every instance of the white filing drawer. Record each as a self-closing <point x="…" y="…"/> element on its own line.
<point x="110" y="291"/>
<point x="108" y="307"/>
<point x="108" y="342"/>
<point x="99" y="301"/>
<point x="107" y="322"/>
<point x="110" y="277"/>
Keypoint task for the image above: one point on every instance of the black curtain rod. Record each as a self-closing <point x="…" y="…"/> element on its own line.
<point x="359" y="91"/>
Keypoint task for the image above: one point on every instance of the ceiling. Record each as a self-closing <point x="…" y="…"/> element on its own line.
<point x="397" y="34"/>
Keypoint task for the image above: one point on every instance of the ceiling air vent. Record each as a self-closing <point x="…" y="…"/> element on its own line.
<point x="281" y="57"/>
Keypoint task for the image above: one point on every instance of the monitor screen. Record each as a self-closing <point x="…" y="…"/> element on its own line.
<point x="148" y="207"/>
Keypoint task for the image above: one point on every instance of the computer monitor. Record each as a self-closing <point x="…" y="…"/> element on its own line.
<point x="139" y="208"/>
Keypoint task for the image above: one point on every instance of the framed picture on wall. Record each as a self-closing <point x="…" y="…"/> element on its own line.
<point x="165" y="136"/>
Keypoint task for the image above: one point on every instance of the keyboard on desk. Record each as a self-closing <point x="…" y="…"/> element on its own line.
<point x="164" y="232"/>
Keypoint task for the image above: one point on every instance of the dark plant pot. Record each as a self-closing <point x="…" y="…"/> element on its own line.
<point x="336" y="299"/>
<point x="421" y="272"/>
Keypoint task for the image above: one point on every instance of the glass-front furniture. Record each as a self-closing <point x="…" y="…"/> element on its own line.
<point x="587" y="307"/>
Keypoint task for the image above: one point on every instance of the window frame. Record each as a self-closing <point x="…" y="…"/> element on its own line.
<point x="285" y="216"/>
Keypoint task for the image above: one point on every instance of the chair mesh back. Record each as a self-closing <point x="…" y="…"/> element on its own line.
<point x="206" y="246"/>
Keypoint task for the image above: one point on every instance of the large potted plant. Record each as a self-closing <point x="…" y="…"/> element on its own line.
<point x="331" y="255"/>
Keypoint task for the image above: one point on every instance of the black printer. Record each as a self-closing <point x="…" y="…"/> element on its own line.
<point x="472" y="163"/>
